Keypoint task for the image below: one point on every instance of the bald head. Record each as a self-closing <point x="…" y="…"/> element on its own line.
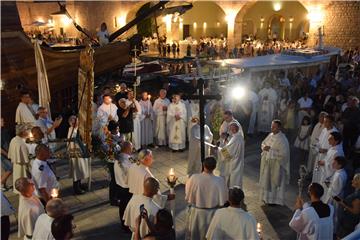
<point x="56" y="208"/>
<point x="151" y="187"/>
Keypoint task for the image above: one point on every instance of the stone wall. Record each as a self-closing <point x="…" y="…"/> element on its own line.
<point x="342" y="24"/>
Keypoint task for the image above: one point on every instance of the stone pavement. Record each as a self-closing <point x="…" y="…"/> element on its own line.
<point x="96" y="219"/>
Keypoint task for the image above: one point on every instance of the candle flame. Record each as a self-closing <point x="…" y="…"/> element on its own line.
<point x="31" y="135"/>
<point x="54" y="193"/>
<point x="258" y="227"/>
<point x="171" y="172"/>
<point x="149" y="96"/>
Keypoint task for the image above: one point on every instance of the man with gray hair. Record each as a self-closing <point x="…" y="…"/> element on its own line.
<point x="19" y="154"/>
<point x="43" y="176"/>
<point x="233" y="222"/>
<point x="30" y="207"/>
<point x="54" y="209"/>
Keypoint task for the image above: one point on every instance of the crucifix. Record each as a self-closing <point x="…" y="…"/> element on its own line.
<point x="137" y="79"/>
<point x="202" y="101"/>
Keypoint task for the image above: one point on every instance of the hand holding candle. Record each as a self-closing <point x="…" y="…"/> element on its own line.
<point x="258" y="229"/>
<point x="171" y="179"/>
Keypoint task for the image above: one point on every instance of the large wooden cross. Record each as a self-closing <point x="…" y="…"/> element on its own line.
<point x="202" y="101"/>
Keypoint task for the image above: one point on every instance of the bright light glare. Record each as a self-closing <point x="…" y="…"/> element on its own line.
<point x="277" y="6"/>
<point x="238" y="92"/>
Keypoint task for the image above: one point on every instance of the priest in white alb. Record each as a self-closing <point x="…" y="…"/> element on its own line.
<point x="233" y="222"/>
<point x="225" y="127"/>
<point x="105" y="113"/>
<point x="267" y="107"/>
<point x="314" y="142"/>
<point x="176" y="120"/>
<point x="275" y="166"/>
<point x="19" y="154"/>
<point x="139" y="172"/>
<point x="194" y="155"/>
<point x="193" y="112"/>
<point x="231" y="157"/>
<point x="205" y="193"/>
<point x="30" y="208"/>
<point x="160" y="109"/>
<point x="313" y="220"/>
<point x="145" y="199"/>
<point x="24" y="112"/>
<point x="136" y="134"/>
<point x="146" y="120"/>
<point x="323" y="146"/>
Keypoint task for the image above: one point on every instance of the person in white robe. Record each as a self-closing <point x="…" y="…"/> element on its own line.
<point x="80" y="165"/>
<point x="47" y="125"/>
<point x="313" y="220"/>
<point x="122" y="164"/>
<point x="314" y="142"/>
<point x="193" y="113"/>
<point x="146" y="120"/>
<point x="42" y="175"/>
<point x="233" y="222"/>
<point x="224" y="131"/>
<point x="325" y="169"/>
<point x="275" y="166"/>
<point x="254" y="100"/>
<point x="138" y="172"/>
<point x="160" y="109"/>
<point x="304" y="108"/>
<point x="24" y="112"/>
<point x="323" y="145"/>
<point x="136" y="134"/>
<point x="54" y="209"/>
<point x="176" y="121"/>
<point x="205" y="193"/>
<point x="145" y="199"/>
<point x="30" y="208"/>
<point x="194" y="155"/>
<point x="105" y="113"/>
<point x="19" y="154"/>
<point x="232" y="157"/>
<point x="267" y="108"/>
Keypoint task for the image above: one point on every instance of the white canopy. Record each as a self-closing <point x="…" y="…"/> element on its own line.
<point x="278" y="61"/>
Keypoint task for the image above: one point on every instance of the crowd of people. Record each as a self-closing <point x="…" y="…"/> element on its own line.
<point x="317" y="114"/>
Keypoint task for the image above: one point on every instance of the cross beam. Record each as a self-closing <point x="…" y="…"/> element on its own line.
<point x="202" y="101"/>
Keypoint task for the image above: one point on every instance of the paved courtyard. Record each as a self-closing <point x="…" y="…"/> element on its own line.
<point x="96" y="219"/>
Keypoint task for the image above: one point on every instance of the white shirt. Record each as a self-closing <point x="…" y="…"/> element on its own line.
<point x="232" y="223"/>
<point x="121" y="172"/>
<point x="29" y="210"/>
<point x="42" y="230"/>
<point x="43" y="176"/>
<point x="45" y="124"/>
<point x="305" y="103"/>
<point x="136" y="176"/>
<point x="106" y="110"/>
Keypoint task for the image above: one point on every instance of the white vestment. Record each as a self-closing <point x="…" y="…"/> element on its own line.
<point x="309" y="226"/>
<point x="132" y="211"/>
<point x="104" y="112"/>
<point x="160" y="120"/>
<point x="267" y="109"/>
<point x="177" y="128"/>
<point x="336" y="187"/>
<point x="24" y="114"/>
<point x="136" y="134"/>
<point x="42" y="230"/>
<point x="194" y="155"/>
<point x="274" y="168"/>
<point x="19" y="155"/>
<point x="323" y="144"/>
<point x="314" y="142"/>
<point x="137" y="175"/>
<point x="79" y="167"/>
<point x="225" y="127"/>
<point x="254" y="99"/>
<point x="147" y="128"/>
<point x="231" y="157"/>
<point x="231" y="224"/>
<point x="121" y="170"/>
<point x="193" y="112"/>
<point x="29" y="211"/>
<point x="45" y="124"/>
<point x="205" y="193"/>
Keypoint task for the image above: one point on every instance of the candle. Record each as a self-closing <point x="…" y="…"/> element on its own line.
<point x="54" y="193"/>
<point x="31" y="136"/>
<point x="258" y="228"/>
<point x="149" y="96"/>
<point x="171" y="175"/>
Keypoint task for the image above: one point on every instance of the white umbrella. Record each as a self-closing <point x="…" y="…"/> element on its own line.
<point x="43" y="83"/>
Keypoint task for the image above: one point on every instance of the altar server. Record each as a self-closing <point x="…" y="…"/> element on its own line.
<point x="176" y="120"/>
<point x="136" y="113"/>
<point x="267" y="107"/>
<point x="146" y="120"/>
<point x="106" y="112"/>
<point x="24" y="112"/>
<point x="160" y="109"/>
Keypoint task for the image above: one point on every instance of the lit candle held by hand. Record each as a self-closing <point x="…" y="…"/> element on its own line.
<point x="31" y="136"/>
<point x="54" y="193"/>
<point x="149" y="96"/>
<point x="171" y="179"/>
<point x="258" y="228"/>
